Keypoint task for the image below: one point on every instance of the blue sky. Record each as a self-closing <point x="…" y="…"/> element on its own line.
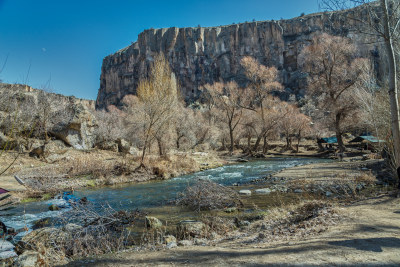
<point x="61" y="44"/>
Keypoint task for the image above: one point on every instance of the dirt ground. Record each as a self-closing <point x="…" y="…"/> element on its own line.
<point x="329" y="170"/>
<point x="368" y="236"/>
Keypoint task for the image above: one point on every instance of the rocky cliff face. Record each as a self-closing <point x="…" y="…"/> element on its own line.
<point x="205" y="55"/>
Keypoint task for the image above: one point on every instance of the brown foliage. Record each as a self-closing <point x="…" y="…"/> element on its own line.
<point x="208" y="195"/>
<point x="334" y="73"/>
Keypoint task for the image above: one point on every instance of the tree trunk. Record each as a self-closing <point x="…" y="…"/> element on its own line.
<point x="178" y="143"/>
<point x="298" y="142"/>
<point x="320" y="146"/>
<point x="231" y="141"/>
<point x="257" y="144"/>
<point x="265" y="145"/>
<point x="160" y="147"/>
<point x="339" y="133"/>
<point x="393" y="95"/>
<point x="143" y="152"/>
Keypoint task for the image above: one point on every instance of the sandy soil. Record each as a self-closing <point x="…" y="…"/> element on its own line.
<point x="368" y="236"/>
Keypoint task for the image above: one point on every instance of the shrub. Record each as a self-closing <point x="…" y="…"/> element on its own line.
<point x="208" y="195"/>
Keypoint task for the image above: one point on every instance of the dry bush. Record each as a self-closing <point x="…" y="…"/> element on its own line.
<point x="96" y="167"/>
<point x="152" y="237"/>
<point x="302" y="220"/>
<point x="88" y="230"/>
<point x="88" y="165"/>
<point x="208" y="195"/>
<point x="365" y="177"/>
<point x="171" y="165"/>
<point x="217" y="224"/>
<point x="308" y="211"/>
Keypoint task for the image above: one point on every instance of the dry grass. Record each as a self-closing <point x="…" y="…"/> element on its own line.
<point x="216" y="224"/>
<point x="171" y="165"/>
<point x="295" y="222"/>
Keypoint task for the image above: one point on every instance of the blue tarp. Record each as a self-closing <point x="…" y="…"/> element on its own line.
<point x="368" y="138"/>
<point x="328" y="140"/>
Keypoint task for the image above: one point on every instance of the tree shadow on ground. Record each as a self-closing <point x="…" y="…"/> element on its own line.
<point x="369" y="244"/>
<point x="214" y="257"/>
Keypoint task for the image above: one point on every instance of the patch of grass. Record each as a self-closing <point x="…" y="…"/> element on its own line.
<point x="28" y="200"/>
<point x="91" y="183"/>
<point x="47" y="196"/>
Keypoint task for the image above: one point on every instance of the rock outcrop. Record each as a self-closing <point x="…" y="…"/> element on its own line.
<point x="79" y="132"/>
<point x="68" y="118"/>
<point x="205" y="55"/>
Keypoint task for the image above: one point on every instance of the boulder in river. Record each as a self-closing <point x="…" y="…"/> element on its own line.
<point x="245" y="192"/>
<point x="53" y="207"/>
<point x="46" y="222"/>
<point x="264" y="191"/>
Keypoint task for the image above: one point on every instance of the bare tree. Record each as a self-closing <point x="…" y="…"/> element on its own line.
<point x="155" y="104"/>
<point x="257" y="97"/>
<point x="382" y="21"/>
<point x="110" y="124"/>
<point x="227" y="98"/>
<point x="293" y="124"/>
<point x="333" y="75"/>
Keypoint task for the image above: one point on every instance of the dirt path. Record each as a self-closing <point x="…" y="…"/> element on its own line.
<point x="328" y="170"/>
<point x="369" y="236"/>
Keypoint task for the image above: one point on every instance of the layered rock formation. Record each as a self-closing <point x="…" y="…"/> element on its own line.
<point x="205" y="55"/>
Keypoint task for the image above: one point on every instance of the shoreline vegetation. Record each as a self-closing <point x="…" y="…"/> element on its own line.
<point x="308" y="202"/>
<point x="74" y="170"/>
<point x="319" y="214"/>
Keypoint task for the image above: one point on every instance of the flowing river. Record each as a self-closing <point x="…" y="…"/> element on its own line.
<point x="153" y="197"/>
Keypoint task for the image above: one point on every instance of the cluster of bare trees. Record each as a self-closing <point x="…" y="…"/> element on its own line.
<point x="228" y="113"/>
<point x="381" y="20"/>
<point x="342" y="95"/>
<point x="338" y="83"/>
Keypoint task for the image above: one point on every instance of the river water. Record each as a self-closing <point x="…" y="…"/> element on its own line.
<point x="154" y="196"/>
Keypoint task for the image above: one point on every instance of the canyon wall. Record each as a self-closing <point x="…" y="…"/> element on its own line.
<point x="205" y="55"/>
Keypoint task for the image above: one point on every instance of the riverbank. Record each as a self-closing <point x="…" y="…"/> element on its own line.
<point x="74" y="169"/>
<point x="367" y="234"/>
<point x="278" y="216"/>
<point x="70" y="169"/>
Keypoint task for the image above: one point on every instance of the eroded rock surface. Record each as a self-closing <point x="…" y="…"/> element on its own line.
<point x="205" y="55"/>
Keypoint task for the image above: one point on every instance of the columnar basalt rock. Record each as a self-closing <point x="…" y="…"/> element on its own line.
<point x="206" y="55"/>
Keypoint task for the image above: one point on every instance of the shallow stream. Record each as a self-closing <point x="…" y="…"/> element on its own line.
<point x="153" y="197"/>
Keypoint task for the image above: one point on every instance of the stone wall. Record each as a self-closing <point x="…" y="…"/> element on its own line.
<point x="206" y="55"/>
